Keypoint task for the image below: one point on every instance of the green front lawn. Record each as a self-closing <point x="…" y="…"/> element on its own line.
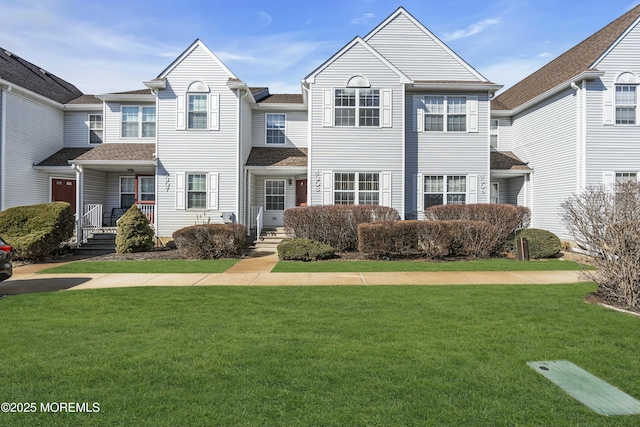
<point x="149" y="266"/>
<point x="301" y="356"/>
<point x="495" y="264"/>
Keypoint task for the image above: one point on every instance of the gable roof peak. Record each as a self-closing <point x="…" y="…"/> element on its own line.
<point x="196" y="43"/>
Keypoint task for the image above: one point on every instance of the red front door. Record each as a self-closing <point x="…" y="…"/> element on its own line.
<point x="301" y="192"/>
<point x="64" y="190"/>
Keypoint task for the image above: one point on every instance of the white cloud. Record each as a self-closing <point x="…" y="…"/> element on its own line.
<point x="265" y="18"/>
<point x="363" y="19"/>
<point x="470" y="30"/>
<point x="544" y="55"/>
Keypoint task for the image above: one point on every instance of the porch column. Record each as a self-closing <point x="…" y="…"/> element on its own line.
<point x="79" y="200"/>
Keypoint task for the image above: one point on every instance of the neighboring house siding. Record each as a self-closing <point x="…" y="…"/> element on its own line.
<point x="612" y="147"/>
<point x="181" y="151"/>
<point x="446" y="153"/>
<point x="356" y="149"/>
<point x="296" y="128"/>
<point x="417" y="54"/>
<point x="76" y="128"/>
<point x="545" y="136"/>
<point x="33" y="132"/>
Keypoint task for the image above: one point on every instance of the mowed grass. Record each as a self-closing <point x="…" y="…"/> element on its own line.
<point x="148" y="266"/>
<point x="495" y="264"/>
<point x="302" y="356"/>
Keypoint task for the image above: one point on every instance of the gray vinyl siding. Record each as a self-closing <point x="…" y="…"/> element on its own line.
<point x="612" y="147"/>
<point x="296" y="130"/>
<point x="446" y="153"/>
<point x="505" y="134"/>
<point x="76" y="128"/>
<point x="34" y="131"/>
<point x="181" y="151"/>
<point x="545" y="136"/>
<point x="416" y="53"/>
<point x="357" y="149"/>
<point x="112" y="122"/>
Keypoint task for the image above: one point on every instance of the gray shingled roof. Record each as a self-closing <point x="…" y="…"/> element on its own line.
<point x="506" y="160"/>
<point x="62" y="157"/>
<point x="135" y="92"/>
<point x="85" y="99"/>
<point x="282" y="98"/>
<point x="568" y="65"/>
<point x="31" y="77"/>
<point x="270" y="156"/>
<point x="120" y="152"/>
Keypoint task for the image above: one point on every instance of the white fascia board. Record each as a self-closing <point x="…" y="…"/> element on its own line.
<point x="402" y="11"/>
<point x="122" y="97"/>
<point x="243" y="87"/>
<point x="501" y="113"/>
<point x="190" y="49"/>
<point x="458" y="86"/>
<point x="156" y="84"/>
<point x="113" y="162"/>
<point x="11" y="87"/>
<point x="83" y="107"/>
<point x="357" y="40"/>
<point x="508" y="173"/>
<point x="54" y="169"/>
<point x="614" y="44"/>
<point x="284" y="169"/>
<point x="587" y="75"/>
<point x="279" y="107"/>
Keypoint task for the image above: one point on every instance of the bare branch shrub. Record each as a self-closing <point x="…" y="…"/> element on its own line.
<point x="211" y="241"/>
<point x="607" y="226"/>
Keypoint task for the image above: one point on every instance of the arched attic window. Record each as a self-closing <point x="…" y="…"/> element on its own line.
<point x="358" y="81"/>
<point x="626" y="99"/>
<point x="197" y="109"/>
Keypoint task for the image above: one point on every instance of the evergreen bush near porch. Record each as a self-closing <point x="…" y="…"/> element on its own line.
<point x="134" y="233"/>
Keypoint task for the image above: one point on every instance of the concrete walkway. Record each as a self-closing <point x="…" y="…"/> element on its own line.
<point x="255" y="271"/>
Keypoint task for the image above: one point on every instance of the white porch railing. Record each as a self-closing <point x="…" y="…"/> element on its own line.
<point x="147" y="210"/>
<point x="257" y="219"/>
<point x="88" y="222"/>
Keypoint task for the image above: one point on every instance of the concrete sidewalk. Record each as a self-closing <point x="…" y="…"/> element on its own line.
<point x="31" y="282"/>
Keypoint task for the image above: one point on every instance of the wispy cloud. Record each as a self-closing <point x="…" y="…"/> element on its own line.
<point x="470" y="30"/>
<point x="544" y="55"/>
<point x="265" y="18"/>
<point x="363" y="19"/>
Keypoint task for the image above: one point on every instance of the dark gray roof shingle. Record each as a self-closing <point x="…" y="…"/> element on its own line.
<point x="568" y="65"/>
<point x="281" y="98"/>
<point x="85" y="99"/>
<point x="506" y="160"/>
<point x="62" y="157"/>
<point x="270" y="156"/>
<point x="120" y="152"/>
<point x="31" y="77"/>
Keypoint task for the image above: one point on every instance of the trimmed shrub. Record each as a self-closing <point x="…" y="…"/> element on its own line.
<point x="334" y="225"/>
<point x="542" y="243"/>
<point x="475" y="239"/>
<point x="430" y="239"/>
<point x="304" y="250"/>
<point x="212" y="241"/>
<point x="507" y="219"/>
<point x="134" y="233"/>
<point x="36" y="232"/>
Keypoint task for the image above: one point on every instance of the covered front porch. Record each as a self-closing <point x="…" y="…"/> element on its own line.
<point x="510" y="179"/>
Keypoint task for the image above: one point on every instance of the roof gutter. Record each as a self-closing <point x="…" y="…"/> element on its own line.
<point x="126" y="97"/>
<point x="586" y="75"/>
<point x="492" y="87"/>
<point x="113" y="162"/>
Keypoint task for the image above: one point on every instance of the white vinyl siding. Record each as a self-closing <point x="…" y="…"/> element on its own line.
<point x="296" y="129"/>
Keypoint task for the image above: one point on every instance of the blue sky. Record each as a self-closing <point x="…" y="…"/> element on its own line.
<point x="114" y="45"/>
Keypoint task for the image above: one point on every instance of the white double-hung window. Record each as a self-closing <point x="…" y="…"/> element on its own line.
<point x="197" y="111"/>
<point x="96" y="128"/>
<point x="626" y="102"/>
<point x="357" y="107"/>
<point x="361" y="188"/>
<point x="138" y="122"/>
<point x="275" y="128"/>
<point x="449" y="110"/>
<point x="444" y="190"/>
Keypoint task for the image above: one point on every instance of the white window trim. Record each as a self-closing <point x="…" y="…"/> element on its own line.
<point x="95" y="129"/>
<point x="445" y="113"/>
<point x="284" y="195"/>
<point x="139" y="107"/>
<point x="616" y="105"/>
<point x="120" y="193"/>
<point x="358" y="106"/>
<point x="266" y="129"/>
<point x="494" y="132"/>
<point x="206" y="111"/>
<point x="186" y="192"/>
<point x="445" y="192"/>
<point x="140" y="178"/>
<point x="356" y="186"/>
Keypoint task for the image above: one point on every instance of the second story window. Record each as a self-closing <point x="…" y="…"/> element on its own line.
<point x="96" y="128"/>
<point x="197" y="112"/>
<point x="444" y="113"/>
<point x="357" y="107"/>
<point x="493" y="133"/>
<point x="276" y="128"/>
<point x="138" y="122"/>
<point x="626" y="105"/>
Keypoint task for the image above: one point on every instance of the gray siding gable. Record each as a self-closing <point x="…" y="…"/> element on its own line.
<point x="418" y="53"/>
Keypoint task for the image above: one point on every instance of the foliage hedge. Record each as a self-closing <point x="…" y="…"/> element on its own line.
<point x="212" y="241"/>
<point x="304" y="250"/>
<point x="36" y="232"/>
<point x="542" y="243"/>
<point x="429" y="239"/>
<point x="507" y="219"/>
<point x="334" y="225"/>
<point x="134" y="232"/>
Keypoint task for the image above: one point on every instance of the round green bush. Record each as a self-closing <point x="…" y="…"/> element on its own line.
<point x="134" y="233"/>
<point x="304" y="250"/>
<point x="542" y="243"/>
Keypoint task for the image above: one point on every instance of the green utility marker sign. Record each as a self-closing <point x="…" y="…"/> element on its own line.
<point x="598" y="395"/>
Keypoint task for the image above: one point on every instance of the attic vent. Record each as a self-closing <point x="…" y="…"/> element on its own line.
<point x="358" y="81"/>
<point x="627" y="78"/>
<point x="198" y="87"/>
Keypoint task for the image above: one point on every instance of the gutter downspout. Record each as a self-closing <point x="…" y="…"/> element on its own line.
<point x="580" y="137"/>
<point x="79" y="202"/>
<point x="241" y="94"/>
